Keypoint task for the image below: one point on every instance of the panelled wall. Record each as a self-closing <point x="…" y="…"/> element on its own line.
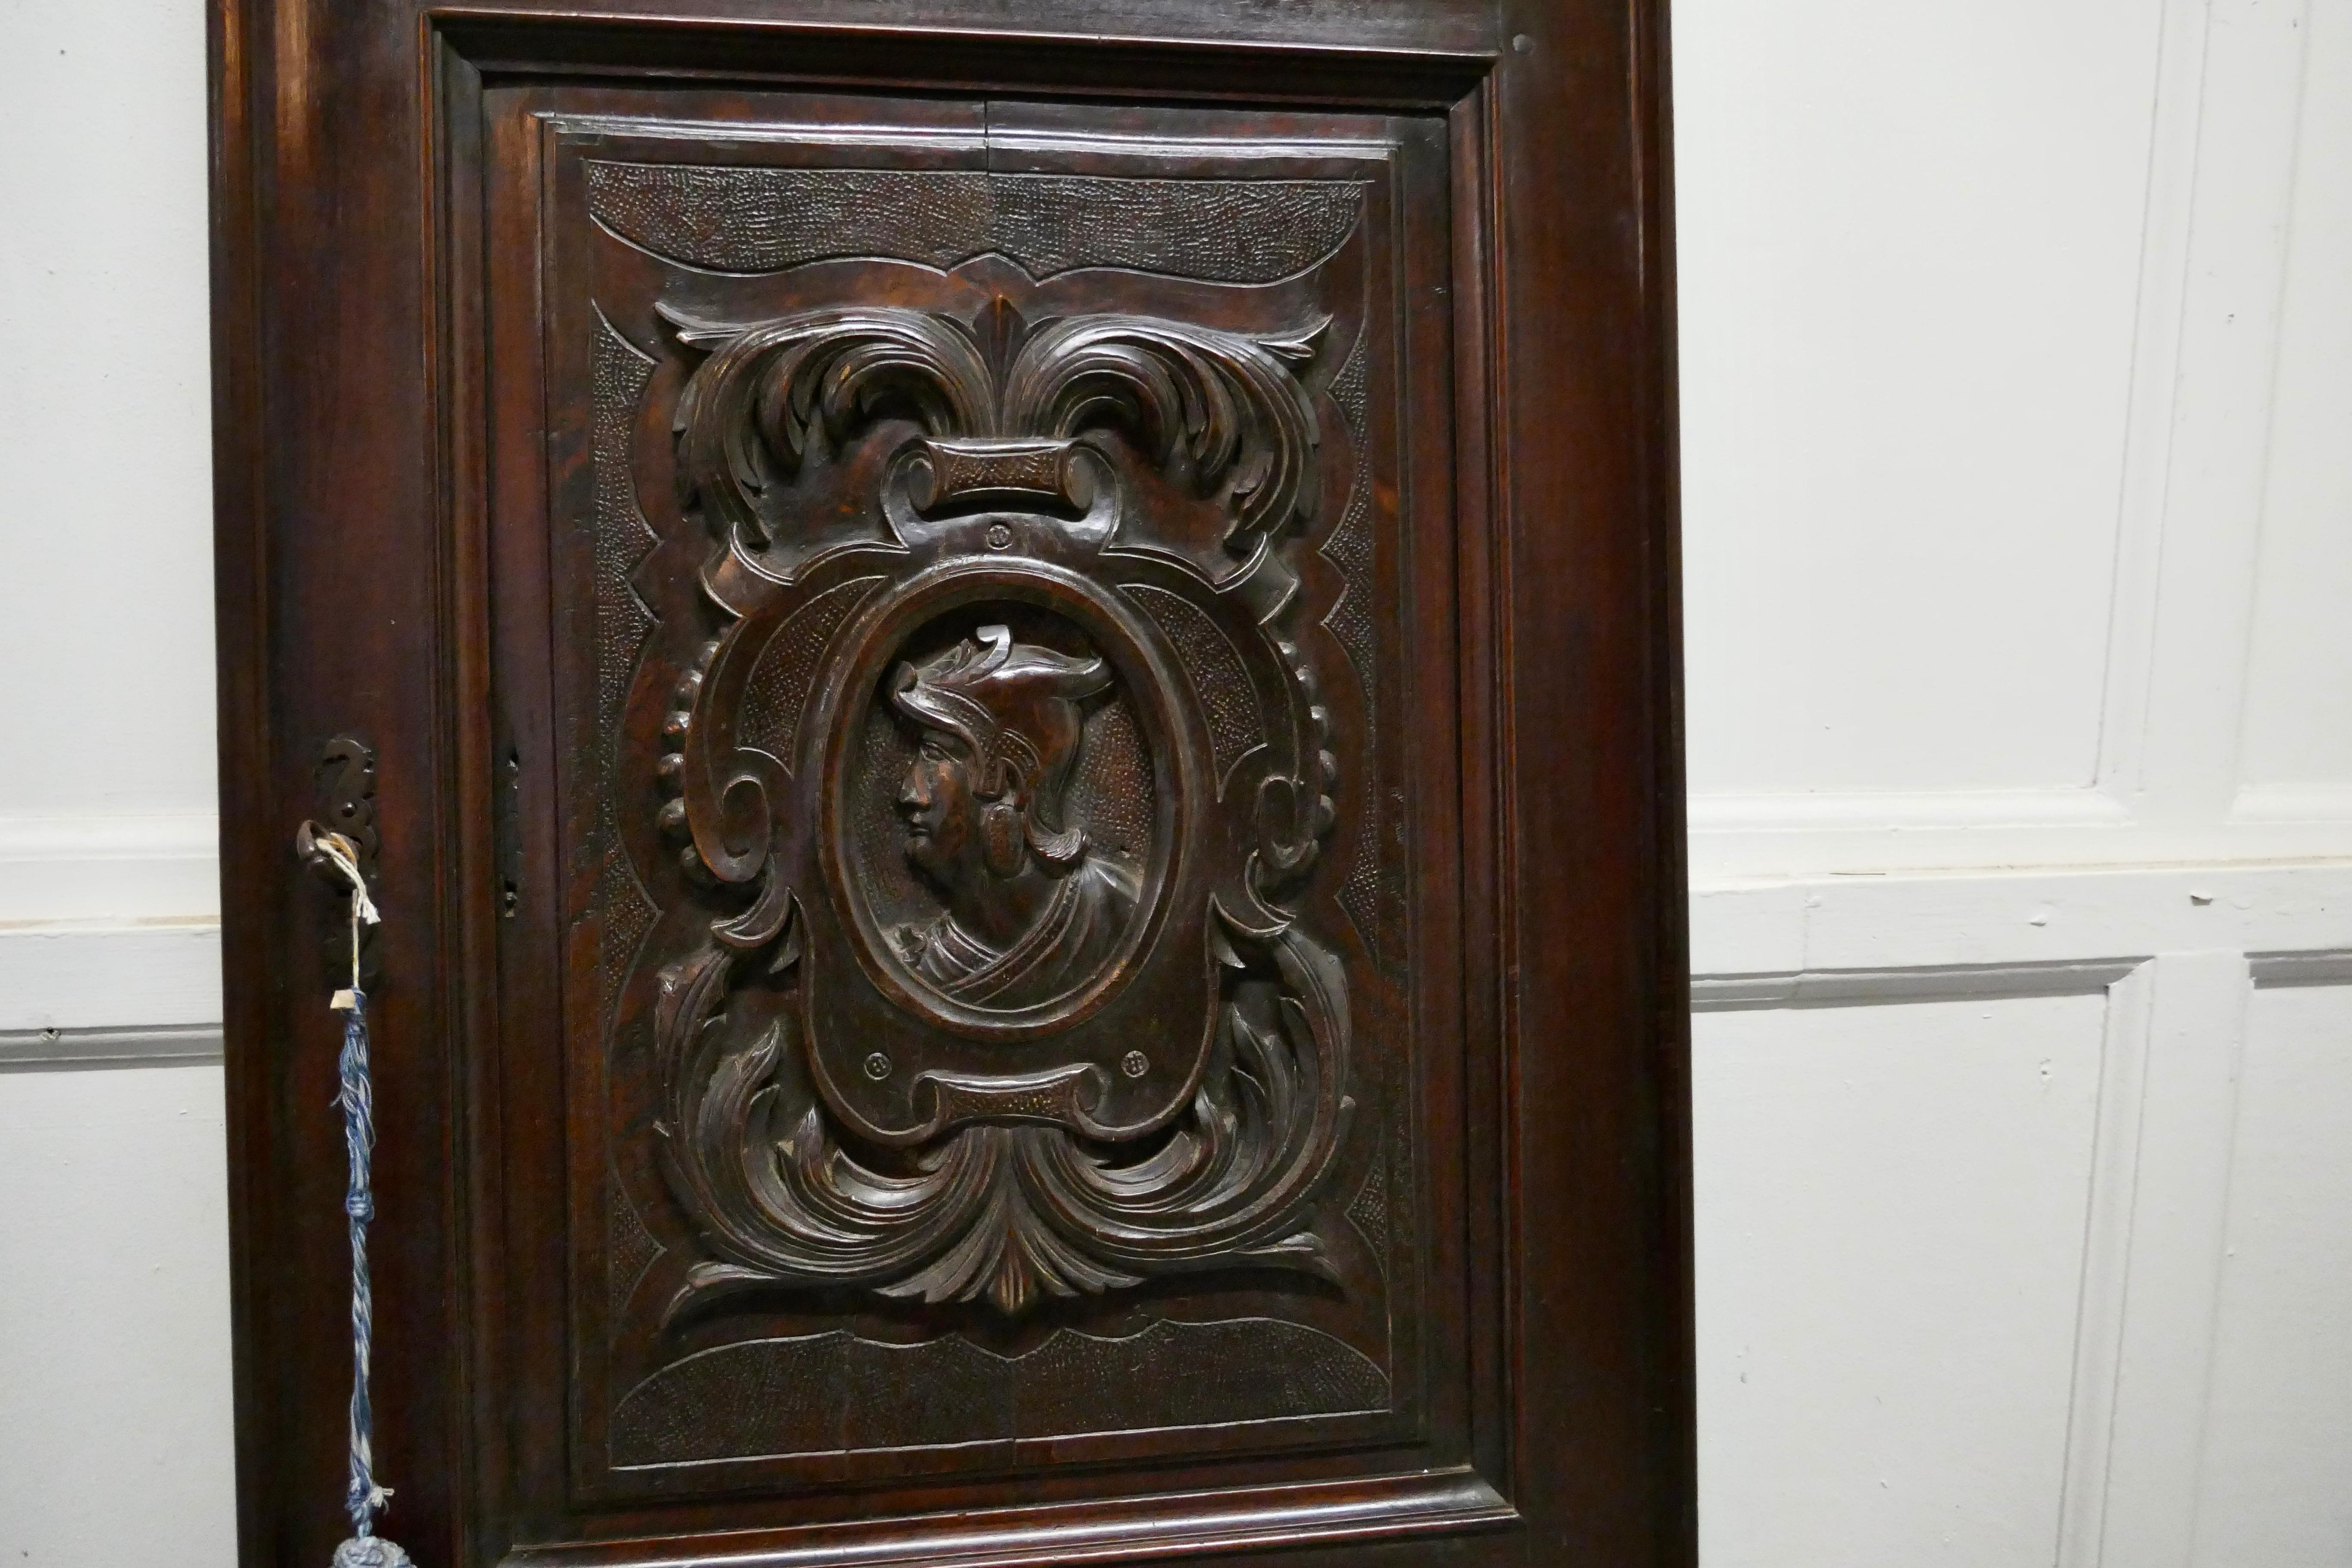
<point x="114" y="1388"/>
<point x="2017" y="367"/>
<point x="2017" y="380"/>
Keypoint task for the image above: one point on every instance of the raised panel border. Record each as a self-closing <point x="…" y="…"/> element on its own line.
<point x="1344" y="1505"/>
<point x="578" y="132"/>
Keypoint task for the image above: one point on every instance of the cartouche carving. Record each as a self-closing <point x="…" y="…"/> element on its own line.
<point x="953" y="1037"/>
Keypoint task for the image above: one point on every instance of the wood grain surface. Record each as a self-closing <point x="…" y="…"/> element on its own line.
<point x="1021" y="665"/>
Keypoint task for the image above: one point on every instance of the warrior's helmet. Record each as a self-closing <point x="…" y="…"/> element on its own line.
<point x="1016" y="706"/>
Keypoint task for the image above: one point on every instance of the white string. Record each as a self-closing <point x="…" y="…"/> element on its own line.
<point x="339" y="850"/>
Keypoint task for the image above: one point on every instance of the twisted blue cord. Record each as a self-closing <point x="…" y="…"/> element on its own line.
<point x="364" y="1497"/>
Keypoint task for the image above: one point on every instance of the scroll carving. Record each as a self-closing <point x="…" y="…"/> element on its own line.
<point x="1001" y="794"/>
<point x="1220" y="411"/>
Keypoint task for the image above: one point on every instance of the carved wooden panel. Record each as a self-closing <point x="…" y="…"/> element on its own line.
<point x="1021" y="666"/>
<point x="985" y="843"/>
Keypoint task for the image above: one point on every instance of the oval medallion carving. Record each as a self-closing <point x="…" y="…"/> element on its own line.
<point x="999" y="836"/>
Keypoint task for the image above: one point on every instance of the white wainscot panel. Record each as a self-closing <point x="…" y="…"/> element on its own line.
<point x="2296" y="764"/>
<point x="1910" y="244"/>
<point x="1891" y="1207"/>
<point x="115" y="1443"/>
<point x="105" y="461"/>
<point x="2277" y="1483"/>
<point x="106" y="785"/>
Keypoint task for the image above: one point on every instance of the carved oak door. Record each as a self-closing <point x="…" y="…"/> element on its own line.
<point x="1020" y="676"/>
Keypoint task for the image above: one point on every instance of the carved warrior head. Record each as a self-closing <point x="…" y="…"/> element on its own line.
<point x="1016" y="706"/>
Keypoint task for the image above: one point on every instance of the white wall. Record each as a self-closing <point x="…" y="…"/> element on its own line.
<point x="114" y="1376"/>
<point x="2017" y="365"/>
<point x="2014" y="339"/>
<point x="114" y="1373"/>
<point x="2017" y="385"/>
<point x="106" y="785"/>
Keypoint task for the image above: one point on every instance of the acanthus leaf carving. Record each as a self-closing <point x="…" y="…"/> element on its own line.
<point x="1219" y="410"/>
<point x="823" y="1145"/>
<point x="1224" y="412"/>
<point x="1009" y="1212"/>
<point x="755" y="407"/>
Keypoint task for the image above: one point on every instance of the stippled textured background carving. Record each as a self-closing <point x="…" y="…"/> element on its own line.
<point x="1235" y="726"/>
<point x="833" y="1391"/>
<point x="772" y="707"/>
<point x="764" y="220"/>
<point x="623" y="539"/>
<point x="1350" y="547"/>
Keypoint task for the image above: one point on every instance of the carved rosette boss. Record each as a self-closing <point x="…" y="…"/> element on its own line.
<point x="1000" y="779"/>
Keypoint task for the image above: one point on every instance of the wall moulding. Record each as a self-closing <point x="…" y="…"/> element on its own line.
<point x="110" y="974"/>
<point x="1899" y="811"/>
<point x="110" y="865"/>
<point x="2321" y="967"/>
<point x="1917" y="983"/>
<point x="1807" y="842"/>
<point x="2327" y="805"/>
<point x="65" y="1050"/>
<point x="1993" y="920"/>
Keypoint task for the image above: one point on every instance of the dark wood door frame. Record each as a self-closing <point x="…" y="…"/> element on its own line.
<point x="368" y="419"/>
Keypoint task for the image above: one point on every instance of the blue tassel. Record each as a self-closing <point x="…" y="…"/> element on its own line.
<point x="363" y="1498"/>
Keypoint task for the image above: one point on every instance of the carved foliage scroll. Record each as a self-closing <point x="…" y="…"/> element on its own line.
<point x="1045" y="1065"/>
